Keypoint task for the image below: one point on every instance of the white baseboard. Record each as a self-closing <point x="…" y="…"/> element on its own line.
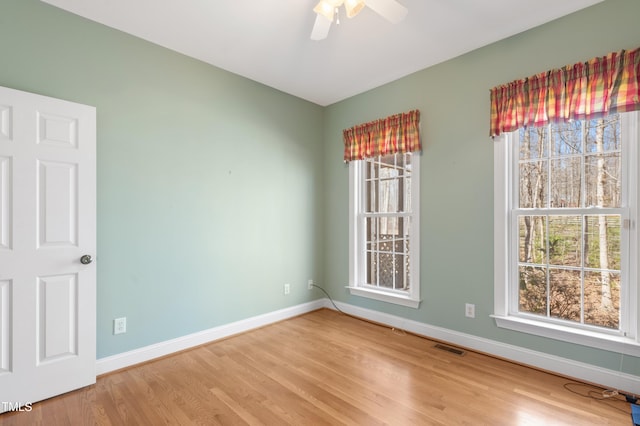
<point x="562" y="366"/>
<point x="147" y="353"/>
<point x="566" y="367"/>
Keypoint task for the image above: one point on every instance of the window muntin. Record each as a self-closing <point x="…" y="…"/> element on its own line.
<point x="384" y="228"/>
<point x="568" y="214"/>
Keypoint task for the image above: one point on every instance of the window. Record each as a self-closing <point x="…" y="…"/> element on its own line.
<point x="384" y="228"/>
<point x="566" y="231"/>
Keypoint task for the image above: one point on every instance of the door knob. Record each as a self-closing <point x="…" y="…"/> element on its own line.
<point x="86" y="259"/>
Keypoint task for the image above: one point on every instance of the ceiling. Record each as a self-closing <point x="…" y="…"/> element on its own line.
<point x="268" y="40"/>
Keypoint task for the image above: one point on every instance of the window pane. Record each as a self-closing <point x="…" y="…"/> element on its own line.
<point x="565" y="240"/>
<point x="603" y="164"/>
<point x="532" y="235"/>
<point x="371" y="271"/>
<point x="399" y="279"/>
<point x="407" y="182"/>
<point x="400" y="160"/>
<point x="533" y="290"/>
<point x="372" y="268"/>
<point x="606" y="130"/>
<point x="407" y="193"/>
<point x="371" y="198"/>
<point x="566" y="182"/>
<point x="602" y="180"/>
<point x="533" y="143"/>
<point x="565" y="294"/>
<point x="386" y="262"/>
<point x="533" y="184"/>
<point x="371" y="184"/>
<point x="403" y="271"/>
<point x="388" y="193"/>
<point x="602" y="299"/>
<point x="602" y="241"/>
<point x="566" y="138"/>
<point x="388" y="225"/>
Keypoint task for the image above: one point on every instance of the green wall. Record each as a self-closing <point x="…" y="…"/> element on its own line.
<point x="457" y="170"/>
<point x="214" y="191"/>
<point x="208" y="183"/>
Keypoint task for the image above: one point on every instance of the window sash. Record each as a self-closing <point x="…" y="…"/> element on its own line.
<point x="378" y="250"/>
<point x="515" y="263"/>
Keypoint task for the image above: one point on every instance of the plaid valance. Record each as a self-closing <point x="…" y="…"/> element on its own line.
<point x="592" y="89"/>
<point x="395" y="134"/>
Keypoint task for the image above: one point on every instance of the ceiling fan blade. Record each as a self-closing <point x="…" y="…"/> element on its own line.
<point x="321" y="27"/>
<point x="390" y="10"/>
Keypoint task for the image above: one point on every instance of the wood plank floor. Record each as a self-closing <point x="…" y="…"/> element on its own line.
<point x="324" y="368"/>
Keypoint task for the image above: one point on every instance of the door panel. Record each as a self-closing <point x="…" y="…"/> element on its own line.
<point x="58" y="320"/>
<point x="57" y="131"/>
<point x="5" y="203"/>
<point x="6" y="123"/>
<point x="57" y="190"/>
<point x="5" y="326"/>
<point x="47" y="222"/>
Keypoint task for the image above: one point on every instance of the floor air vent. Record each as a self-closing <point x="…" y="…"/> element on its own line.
<point x="456" y="351"/>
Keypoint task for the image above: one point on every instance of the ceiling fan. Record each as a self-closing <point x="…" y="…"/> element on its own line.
<point x="327" y="10"/>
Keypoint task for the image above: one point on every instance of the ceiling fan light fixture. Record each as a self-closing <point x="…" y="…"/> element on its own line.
<point x="326" y="8"/>
<point x="353" y="7"/>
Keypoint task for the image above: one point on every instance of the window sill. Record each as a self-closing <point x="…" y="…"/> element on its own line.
<point x="383" y="296"/>
<point x="588" y="338"/>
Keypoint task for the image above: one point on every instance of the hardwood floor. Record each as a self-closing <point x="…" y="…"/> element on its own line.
<point x="324" y="368"/>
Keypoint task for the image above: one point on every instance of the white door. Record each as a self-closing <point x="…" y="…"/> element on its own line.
<point x="47" y="224"/>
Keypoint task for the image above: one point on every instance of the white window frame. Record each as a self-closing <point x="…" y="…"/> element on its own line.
<point x="357" y="237"/>
<point x="627" y="341"/>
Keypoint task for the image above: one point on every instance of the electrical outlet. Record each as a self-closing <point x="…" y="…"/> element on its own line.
<point x="287" y="288"/>
<point x="120" y="325"/>
<point x="470" y="310"/>
<point x="310" y="285"/>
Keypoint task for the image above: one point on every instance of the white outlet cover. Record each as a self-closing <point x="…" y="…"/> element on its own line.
<point x="120" y="325"/>
<point x="470" y="310"/>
